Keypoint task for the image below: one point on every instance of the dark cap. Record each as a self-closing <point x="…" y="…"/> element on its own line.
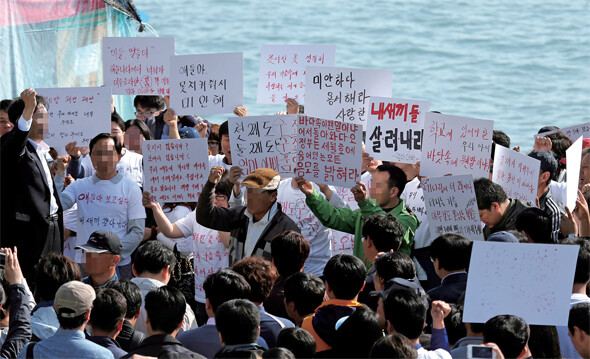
<point x="188" y="132"/>
<point x="102" y="242"/>
<point x="405" y="284"/>
<point x="502" y="236"/>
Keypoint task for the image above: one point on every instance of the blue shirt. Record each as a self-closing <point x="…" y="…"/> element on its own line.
<point x="67" y="344"/>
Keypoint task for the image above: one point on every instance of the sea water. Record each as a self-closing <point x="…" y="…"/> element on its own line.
<point x="524" y="64"/>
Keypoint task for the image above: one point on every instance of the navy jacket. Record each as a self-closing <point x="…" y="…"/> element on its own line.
<point x="450" y="289"/>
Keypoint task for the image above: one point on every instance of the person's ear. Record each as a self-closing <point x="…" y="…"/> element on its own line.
<point x="87" y="315"/>
<point x="221" y="339"/>
<point x="116" y="260"/>
<point x="273" y="196"/>
<point x="394" y="192"/>
<point x="495" y="207"/>
<point x="120" y="324"/>
<point x="138" y="313"/>
<point x="369" y="242"/>
<point x="133" y="270"/>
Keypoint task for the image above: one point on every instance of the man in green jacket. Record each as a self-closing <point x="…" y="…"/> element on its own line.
<point x="387" y="184"/>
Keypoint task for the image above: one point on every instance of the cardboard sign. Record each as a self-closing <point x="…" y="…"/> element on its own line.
<point x="456" y="145"/>
<point x="395" y="128"/>
<point x="76" y="114"/>
<point x="175" y="170"/>
<point x="137" y="65"/>
<point x="282" y="70"/>
<point x="518" y="174"/>
<point x="574" y="159"/>
<point x="264" y="142"/>
<point x="342" y="94"/>
<point x="206" y="84"/>
<point x="328" y="151"/>
<point x="532" y="281"/>
<point x="573" y="132"/>
<point x="452" y="207"/>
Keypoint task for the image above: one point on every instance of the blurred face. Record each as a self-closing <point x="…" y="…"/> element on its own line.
<point x="259" y="201"/>
<point x="134" y="139"/>
<point x="226" y="148"/>
<point x="584" y="171"/>
<point x="118" y="132"/>
<point x="99" y="263"/>
<point x="491" y="217"/>
<point x="380" y="190"/>
<point x="104" y="157"/>
<point x="142" y="113"/>
<point x="5" y="124"/>
<point x="214" y="146"/>
<point x="40" y="124"/>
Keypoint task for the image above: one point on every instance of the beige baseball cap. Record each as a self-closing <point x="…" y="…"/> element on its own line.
<point x="262" y="178"/>
<point x="76" y="297"/>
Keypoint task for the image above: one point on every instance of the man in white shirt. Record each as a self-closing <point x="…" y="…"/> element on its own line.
<point x="107" y="200"/>
<point x="30" y="209"/>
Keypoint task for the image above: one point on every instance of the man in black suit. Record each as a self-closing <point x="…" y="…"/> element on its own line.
<point x="450" y="255"/>
<point x="31" y="213"/>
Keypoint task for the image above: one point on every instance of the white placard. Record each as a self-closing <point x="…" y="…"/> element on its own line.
<point x="175" y="170"/>
<point x="573" y="132"/>
<point x="264" y="142"/>
<point x="395" y="128"/>
<point x="137" y="65"/>
<point x="451" y="206"/>
<point x="342" y="94"/>
<point x="518" y="174"/>
<point x="76" y="114"/>
<point x="206" y="84"/>
<point x="282" y="70"/>
<point x="532" y="281"/>
<point x="573" y="157"/>
<point x="329" y="151"/>
<point x="456" y="145"/>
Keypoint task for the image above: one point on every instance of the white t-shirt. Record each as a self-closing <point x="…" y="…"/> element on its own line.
<point x="106" y="205"/>
<point x="292" y="202"/>
<point x="210" y="255"/>
<point x="184" y="244"/>
<point x="130" y="166"/>
<point x="71" y="223"/>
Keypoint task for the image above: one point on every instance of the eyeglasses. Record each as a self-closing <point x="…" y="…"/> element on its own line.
<point x="221" y="198"/>
<point x="213" y="143"/>
<point x="146" y="114"/>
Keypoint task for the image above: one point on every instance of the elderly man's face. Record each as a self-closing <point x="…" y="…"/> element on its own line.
<point x="259" y="201"/>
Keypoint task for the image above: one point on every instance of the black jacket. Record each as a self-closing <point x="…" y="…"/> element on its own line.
<point x="450" y="289"/>
<point x="25" y="200"/>
<point x="129" y="338"/>
<point x="163" y="346"/>
<point x="235" y="221"/>
<point x="19" y="330"/>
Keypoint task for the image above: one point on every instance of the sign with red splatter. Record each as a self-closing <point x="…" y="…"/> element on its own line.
<point x="531" y="281"/>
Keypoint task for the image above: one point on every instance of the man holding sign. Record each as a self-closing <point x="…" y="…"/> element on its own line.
<point x="387" y="184"/>
<point x="252" y="226"/>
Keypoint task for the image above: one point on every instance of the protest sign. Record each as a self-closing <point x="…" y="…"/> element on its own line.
<point x="452" y="207"/>
<point x="456" y="145"/>
<point x="573" y="132"/>
<point x="573" y="157"/>
<point x="175" y="170"/>
<point x="76" y="114"/>
<point x="137" y="65"/>
<point x="282" y="70"/>
<point x="328" y="151"/>
<point x="206" y="84"/>
<point x="518" y="174"/>
<point x="532" y="281"/>
<point x="343" y="242"/>
<point x="395" y="128"/>
<point x="341" y="94"/>
<point x="264" y="142"/>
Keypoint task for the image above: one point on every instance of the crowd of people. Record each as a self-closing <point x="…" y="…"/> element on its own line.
<point x="93" y="268"/>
